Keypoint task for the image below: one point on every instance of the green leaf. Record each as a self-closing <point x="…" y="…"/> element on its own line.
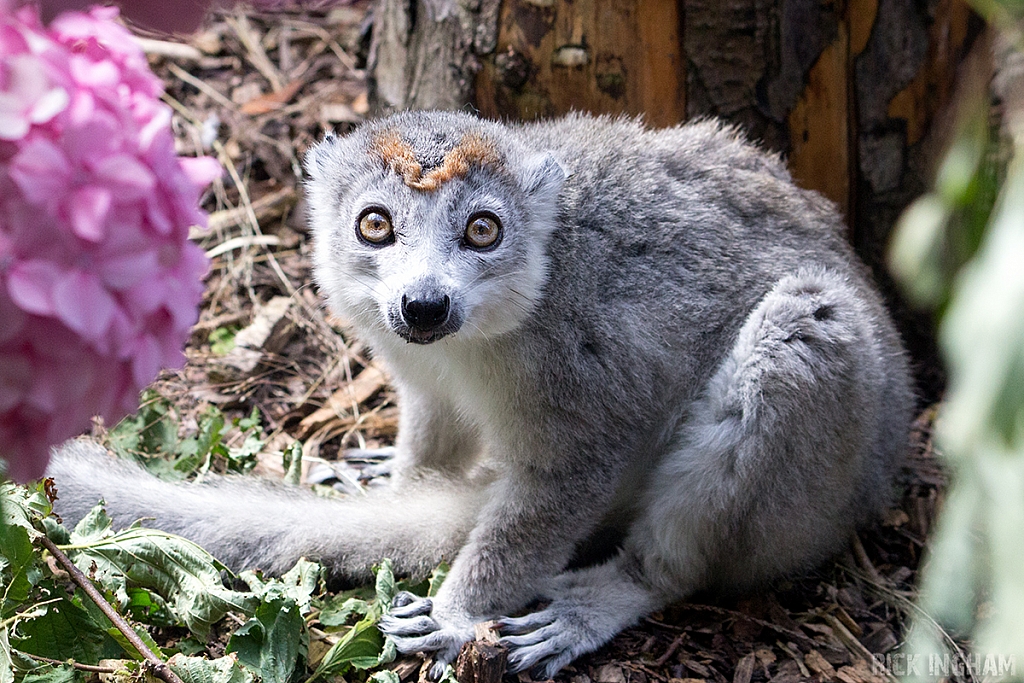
<point x="293" y="463"/>
<point x="302" y="582"/>
<point x="181" y="572"/>
<point x="437" y="577"/>
<point x="269" y="643"/>
<point x="128" y="648"/>
<point x="66" y="631"/>
<point x="52" y="673"/>
<point x="6" y="662"/>
<point x="56" y="531"/>
<point x="94" y="526"/>
<point x="363" y="646"/>
<point x="148" y="607"/>
<point x="387" y="653"/>
<point x="916" y="249"/>
<point x="954" y="566"/>
<point x="385" y="676"/>
<point x="449" y="675"/>
<point x="19" y="571"/>
<point x="242" y="459"/>
<point x="297" y="584"/>
<point x="1003" y="629"/>
<point x="385" y="586"/>
<point x="189" y="646"/>
<point x="202" y="670"/>
<point x="151" y="438"/>
<point x="153" y="430"/>
<point x="211" y="432"/>
<point x="360" y="648"/>
<point x="222" y="340"/>
<point x="251" y="422"/>
<point x="338" y="611"/>
<point x="22" y="505"/>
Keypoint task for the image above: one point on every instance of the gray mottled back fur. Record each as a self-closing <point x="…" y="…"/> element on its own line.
<point x="671" y="344"/>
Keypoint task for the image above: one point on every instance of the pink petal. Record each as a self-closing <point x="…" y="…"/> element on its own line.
<point x="44" y="391"/>
<point x="122" y="333"/>
<point x="94" y="138"/>
<point x="127" y="270"/>
<point x="173" y="355"/>
<point x="108" y="14"/>
<point x="132" y="178"/>
<point x="201" y="170"/>
<point x="157" y="215"/>
<point x="13" y="318"/>
<point x="94" y="75"/>
<point x="145" y="360"/>
<point x="13" y="124"/>
<point x="157" y="127"/>
<point x="30" y="286"/>
<point x="11" y="40"/>
<point x="49" y="105"/>
<point x="89" y="208"/>
<point x="28" y="462"/>
<point x="27" y="77"/>
<point x="15" y="380"/>
<point x="83" y="304"/>
<point x="82" y="108"/>
<point x="41" y="171"/>
<point x="145" y="297"/>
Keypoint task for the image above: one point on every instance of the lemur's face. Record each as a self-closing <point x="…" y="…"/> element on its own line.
<point x="428" y="234"/>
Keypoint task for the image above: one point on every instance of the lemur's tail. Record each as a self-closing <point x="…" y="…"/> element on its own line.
<point x="249" y="523"/>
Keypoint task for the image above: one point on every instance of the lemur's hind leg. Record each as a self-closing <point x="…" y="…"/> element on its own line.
<point x="762" y="479"/>
<point x="589" y="606"/>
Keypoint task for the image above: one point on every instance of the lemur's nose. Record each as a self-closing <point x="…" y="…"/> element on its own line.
<point x="426" y="313"/>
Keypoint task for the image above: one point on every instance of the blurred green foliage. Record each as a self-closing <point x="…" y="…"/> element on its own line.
<point x="151" y="437"/>
<point x="960" y="249"/>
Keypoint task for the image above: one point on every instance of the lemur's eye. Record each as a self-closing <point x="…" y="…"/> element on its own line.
<point x="375" y="227"/>
<point x="483" y="231"/>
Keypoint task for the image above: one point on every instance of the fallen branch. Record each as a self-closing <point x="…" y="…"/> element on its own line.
<point x="72" y="663"/>
<point x="158" y="667"/>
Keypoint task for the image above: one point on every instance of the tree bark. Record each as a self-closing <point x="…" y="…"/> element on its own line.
<point x="424" y="54"/>
<point x="849" y="91"/>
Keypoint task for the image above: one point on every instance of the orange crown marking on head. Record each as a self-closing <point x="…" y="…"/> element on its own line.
<point x="399" y="156"/>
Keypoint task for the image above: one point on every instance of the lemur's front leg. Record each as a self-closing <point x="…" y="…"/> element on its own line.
<point x="524" y="537"/>
<point x="433" y="438"/>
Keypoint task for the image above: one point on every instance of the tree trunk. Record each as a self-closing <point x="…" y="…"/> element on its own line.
<point x="424" y="54"/>
<point x="847" y="90"/>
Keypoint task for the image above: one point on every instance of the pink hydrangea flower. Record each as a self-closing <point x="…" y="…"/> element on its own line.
<point x="99" y="284"/>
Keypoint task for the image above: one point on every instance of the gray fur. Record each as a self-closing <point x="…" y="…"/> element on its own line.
<point x="672" y="342"/>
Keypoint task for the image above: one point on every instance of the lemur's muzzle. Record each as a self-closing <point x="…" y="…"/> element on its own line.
<point x="427" y="317"/>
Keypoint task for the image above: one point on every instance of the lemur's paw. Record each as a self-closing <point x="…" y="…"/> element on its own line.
<point x="413" y="627"/>
<point x="545" y="641"/>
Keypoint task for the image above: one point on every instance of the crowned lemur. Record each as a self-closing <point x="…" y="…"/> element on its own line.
<point x="601" y="335"/>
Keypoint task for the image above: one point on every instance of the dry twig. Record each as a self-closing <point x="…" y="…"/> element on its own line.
<point x="157" y="665"/>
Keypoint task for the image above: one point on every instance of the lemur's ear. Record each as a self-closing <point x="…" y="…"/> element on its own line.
<point x="543" y="175"/>
<point x="326" y="155"/>
<point x="315" y="160"/>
